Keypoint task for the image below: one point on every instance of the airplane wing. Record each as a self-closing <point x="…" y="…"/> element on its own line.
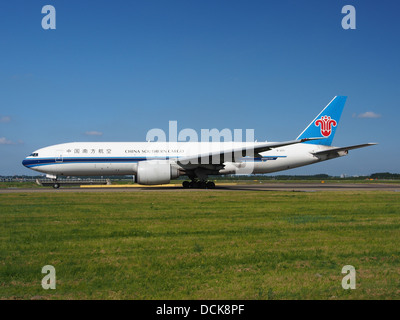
<point x="345" y="150"/>
<point x="221" y="156"/>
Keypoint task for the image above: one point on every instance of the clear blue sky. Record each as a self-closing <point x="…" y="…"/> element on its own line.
<point x="121" y="68"/>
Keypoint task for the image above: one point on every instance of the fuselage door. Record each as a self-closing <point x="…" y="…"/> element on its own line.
<point x="59" y="156"/>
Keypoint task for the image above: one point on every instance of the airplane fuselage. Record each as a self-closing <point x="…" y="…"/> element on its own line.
<point x="122" y="158"/>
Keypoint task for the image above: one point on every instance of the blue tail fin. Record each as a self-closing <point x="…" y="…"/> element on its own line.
<point x="325" y="123"/>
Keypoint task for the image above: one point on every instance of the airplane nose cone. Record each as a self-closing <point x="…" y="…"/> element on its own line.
<point x="25" y="162"/>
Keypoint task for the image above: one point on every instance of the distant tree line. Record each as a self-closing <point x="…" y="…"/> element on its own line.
<point x="385" y="175"/>
<point x="321" y="176"/>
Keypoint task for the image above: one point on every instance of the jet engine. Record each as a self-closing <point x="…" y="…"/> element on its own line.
<point x="155" y="172"/>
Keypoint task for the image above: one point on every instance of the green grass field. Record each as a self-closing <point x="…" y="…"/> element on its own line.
<point x="200" y="245"/>
<point x="221" y="180"/>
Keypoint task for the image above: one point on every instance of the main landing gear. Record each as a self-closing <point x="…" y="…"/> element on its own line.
<point x="199" y="184"/>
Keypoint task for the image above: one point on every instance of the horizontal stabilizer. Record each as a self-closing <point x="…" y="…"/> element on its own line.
<point x="346" y="149"/>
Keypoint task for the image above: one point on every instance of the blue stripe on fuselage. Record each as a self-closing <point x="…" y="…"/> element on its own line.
<point x="262" y="159"/>
<point x="49" y="161"/>
<point x="30" y="163"/>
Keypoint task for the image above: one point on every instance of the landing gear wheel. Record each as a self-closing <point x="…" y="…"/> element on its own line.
<point x="210" y="185"/>
<point x="198" y="184"/>
<point x="186" y="184"/>
<point x="193" y="184"/>
<point x="202" y="184"/>
<point x="56" y="185"/>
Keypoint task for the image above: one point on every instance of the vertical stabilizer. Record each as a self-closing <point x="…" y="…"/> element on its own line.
<point x="325" y="123"/>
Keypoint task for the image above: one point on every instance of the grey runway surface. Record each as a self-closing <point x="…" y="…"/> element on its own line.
<point x="301" y="187"/>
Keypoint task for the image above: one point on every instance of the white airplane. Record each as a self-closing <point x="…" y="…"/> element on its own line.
<point x="153" y="163"/>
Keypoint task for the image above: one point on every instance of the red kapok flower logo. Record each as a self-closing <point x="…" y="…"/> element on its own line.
<point x="326" y="124"/>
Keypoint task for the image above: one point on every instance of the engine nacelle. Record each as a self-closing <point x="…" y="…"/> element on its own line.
<point x="155" y="172"/>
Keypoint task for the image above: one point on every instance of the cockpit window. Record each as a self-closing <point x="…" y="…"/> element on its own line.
<point x="35" y="154"/>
